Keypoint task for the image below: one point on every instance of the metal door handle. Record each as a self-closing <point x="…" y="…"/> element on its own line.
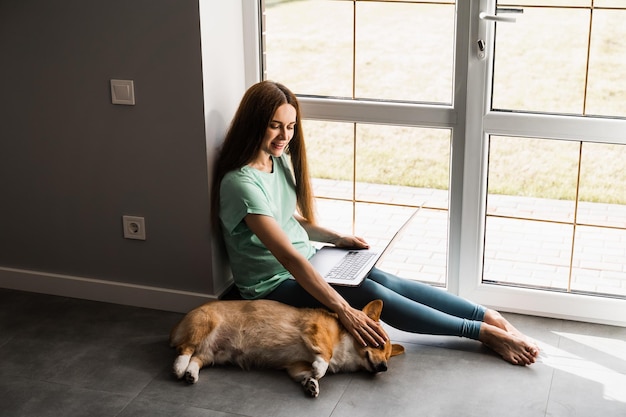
<point x="496" y="18"/>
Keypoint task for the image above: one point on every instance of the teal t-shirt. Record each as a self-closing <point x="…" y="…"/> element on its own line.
<point x="249" y="191"/>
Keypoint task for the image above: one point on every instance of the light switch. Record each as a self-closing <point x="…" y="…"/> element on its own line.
<point x="123" y="92"/>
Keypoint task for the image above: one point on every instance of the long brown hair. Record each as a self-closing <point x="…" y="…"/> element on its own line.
<point x="244" y="139"/>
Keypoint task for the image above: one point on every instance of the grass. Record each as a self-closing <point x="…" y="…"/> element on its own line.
<point x="550" y="169"/>
<point x="391" y="155"/>
<point x="404" y="52"/>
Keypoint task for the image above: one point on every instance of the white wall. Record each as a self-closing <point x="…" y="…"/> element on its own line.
<point x="224" y="81"/>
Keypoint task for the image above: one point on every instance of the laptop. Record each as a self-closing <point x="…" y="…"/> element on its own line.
<point x="349" y="267"/>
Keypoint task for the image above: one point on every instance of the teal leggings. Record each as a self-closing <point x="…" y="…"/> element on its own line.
<point x="408" y="305"/>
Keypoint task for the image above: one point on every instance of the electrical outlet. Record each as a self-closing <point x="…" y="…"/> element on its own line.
<point x="134" y="227"/>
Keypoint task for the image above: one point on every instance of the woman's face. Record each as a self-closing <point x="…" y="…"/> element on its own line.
<point x="280" y="131"/>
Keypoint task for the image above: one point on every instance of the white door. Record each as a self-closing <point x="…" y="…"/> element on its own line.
<point x="544" y="200"/>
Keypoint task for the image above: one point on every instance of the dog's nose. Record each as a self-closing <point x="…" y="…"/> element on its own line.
<point x="381" y="367"/>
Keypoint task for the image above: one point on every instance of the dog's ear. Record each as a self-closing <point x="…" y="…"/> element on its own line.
<point x="397" y="350"/>
<point x="373" y="309"/>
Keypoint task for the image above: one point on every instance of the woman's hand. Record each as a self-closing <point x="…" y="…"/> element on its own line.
<point x="366" y="331"/>
<point x="350" y="242"/>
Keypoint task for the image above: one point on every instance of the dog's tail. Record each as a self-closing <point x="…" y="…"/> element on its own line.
<point x="191" y="330"/>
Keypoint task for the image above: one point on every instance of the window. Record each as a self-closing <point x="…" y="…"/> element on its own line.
<point x="371" y="177"/>
<point x="556" y="215"/>
<point x="379" y="50"/>
<point x="511" y="164"/>
<point x="562" y="57"/>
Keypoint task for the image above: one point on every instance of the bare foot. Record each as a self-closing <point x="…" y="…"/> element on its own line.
<point x="511" y="347"/>
<point x="495" y="319"/>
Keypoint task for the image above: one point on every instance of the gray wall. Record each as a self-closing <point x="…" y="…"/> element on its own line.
<point x="72" y="163"/>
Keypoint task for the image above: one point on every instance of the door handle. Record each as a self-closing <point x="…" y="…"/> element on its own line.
<point x="481" y="50"/>
<point x="496" y="18"/>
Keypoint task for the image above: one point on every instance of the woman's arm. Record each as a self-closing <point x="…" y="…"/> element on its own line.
<point x="365" y="330"/>
<point x="321" y="234"/>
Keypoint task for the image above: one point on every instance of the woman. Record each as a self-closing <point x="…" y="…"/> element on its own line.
<point x="263" y="203"/>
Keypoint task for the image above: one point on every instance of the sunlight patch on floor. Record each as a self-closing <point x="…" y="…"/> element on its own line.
<point x="612" y="381"/>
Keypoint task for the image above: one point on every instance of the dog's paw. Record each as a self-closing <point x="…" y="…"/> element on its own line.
<point x="191" y="374"/>
<point x="319" y="367"/>
<point x="311" y="387"/>
<point x="180" y="365"/>
<point x="190" y="377"/>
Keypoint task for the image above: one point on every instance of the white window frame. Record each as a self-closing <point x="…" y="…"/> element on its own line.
<point x="471" y="122"/>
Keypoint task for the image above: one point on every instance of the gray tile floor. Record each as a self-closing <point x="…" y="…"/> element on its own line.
<point x="67" y="357"/>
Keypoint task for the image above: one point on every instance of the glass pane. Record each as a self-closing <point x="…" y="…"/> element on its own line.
<point x="527" y="253"/>
<point x="423" y="1"/>
<point x="540" y="61"/>
<point x="335" y="215"/>
<point x="598" y="264"/>
<point x="602" y="185"/>
<point x="420" y="251"/>
<point x="330" y="153"/>
<point x="549" y="3"/>
<point x="532" y="178"/>
<point x="378" y="223"/>
<point x="404" y="51"/>
<point x="610" y="3"/>
<point x="415" y="161"/>
<point x="308" y="46"/>
<point x="606" y="91"/>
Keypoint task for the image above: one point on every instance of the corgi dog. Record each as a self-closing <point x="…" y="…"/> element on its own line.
<point x="267" y="334"/>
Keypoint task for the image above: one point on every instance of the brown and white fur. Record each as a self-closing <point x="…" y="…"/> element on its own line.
<point x="268" y="334"/>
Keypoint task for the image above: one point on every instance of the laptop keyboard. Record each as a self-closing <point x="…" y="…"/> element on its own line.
<point x="350" y="265"/>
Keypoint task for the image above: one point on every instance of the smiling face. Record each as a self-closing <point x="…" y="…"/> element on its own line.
<point x="277" y="136"/>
